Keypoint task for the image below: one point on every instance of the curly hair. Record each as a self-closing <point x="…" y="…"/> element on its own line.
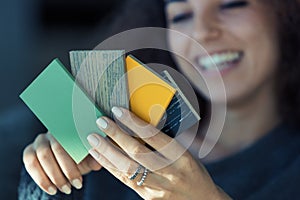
<point x="288" y="71"/>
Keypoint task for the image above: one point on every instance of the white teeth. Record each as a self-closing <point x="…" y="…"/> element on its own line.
<point x="220" y="60"/>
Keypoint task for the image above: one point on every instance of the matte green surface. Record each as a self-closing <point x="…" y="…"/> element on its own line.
<point x="63" y="108"/>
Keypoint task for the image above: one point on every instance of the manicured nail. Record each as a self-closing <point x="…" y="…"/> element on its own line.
<point x="77" y="184"/>
<point x="94" y="153"/>
<point x="102" y="123"/>
<point x="93" y="140"/>
<point x="52" y="190"/>
<point x="66" y="189"/>
<point x="117" y="112"/>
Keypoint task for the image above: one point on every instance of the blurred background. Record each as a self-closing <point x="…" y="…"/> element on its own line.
<point x="32" y="34"/>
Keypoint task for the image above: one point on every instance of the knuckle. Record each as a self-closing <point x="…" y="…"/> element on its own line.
<point x="112" y="130"/>
<point x="150" y="139"/>
<point x="185" y="161"/>
<point x="92" y="164"/>
<point x="163" y="194"/>
<point x="57" y="148"/>
<point x="152" y="131"/>
<point x="101" y="159"/>
<point x="132" y="118"/>
<point x="155" y="198"/>
<point x="27" y="152"/>
<point x="72" y="174"/>
<point x="58" y="180"/>
<point x="43" y="153"/>
<point x="29" y="158"/>
<point x="104" y="149"/>
<point x="136" y="150"/>
<point x="40" y="137"/>
<point x="125" y="180"/>
<point x="177" y="179"/>
<point x="44" y="184"/>
<point x="131" y="168"/>
<point x="30" y="162"/>
<point x="84" y="168"/>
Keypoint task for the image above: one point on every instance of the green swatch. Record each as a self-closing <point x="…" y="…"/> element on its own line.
<point x="66" y="111"/>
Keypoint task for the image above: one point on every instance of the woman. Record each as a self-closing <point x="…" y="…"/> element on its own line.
<point x="255" y="44"/>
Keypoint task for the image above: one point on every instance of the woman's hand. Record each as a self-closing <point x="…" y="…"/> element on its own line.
<point x="173" y="173"/>
<point x="52" y="168"/>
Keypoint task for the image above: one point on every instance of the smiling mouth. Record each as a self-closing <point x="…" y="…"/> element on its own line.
<point x="219" y="61"/>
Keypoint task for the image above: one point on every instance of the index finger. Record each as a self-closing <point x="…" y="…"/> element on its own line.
<point x="132" y="147"/>
<point x="161" y="142"/>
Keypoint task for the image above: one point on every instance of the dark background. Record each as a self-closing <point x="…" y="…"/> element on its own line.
<point x="32" y="34"/>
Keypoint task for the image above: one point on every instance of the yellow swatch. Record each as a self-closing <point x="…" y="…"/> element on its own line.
<point x="149" y="94"/>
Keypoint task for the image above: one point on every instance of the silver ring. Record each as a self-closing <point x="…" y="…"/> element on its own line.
<point x="137" y="171"/>
<point x="140" y="183"/>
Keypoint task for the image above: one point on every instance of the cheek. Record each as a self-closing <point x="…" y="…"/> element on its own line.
<point x="198" y="82"/>
<point x="178" y="43"/>
<point x="263" y="52"/>
<point x="256" y="73"/>
<point x="179" y="38"/>
<point x="180" y="48"/>
<point x="174" y="44"/>
<point x="259" y="40"/>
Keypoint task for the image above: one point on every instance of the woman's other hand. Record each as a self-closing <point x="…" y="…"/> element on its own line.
<point x="52" y="168"/>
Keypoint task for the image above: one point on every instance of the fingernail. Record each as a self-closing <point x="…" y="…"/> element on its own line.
<point x="94" y="153"/>
<point x="66" y="189"/>
<point x="52" y="190"/>
<point x="102" y="123"/>
<point x="77" y="184"/>
<point x="117" y="112"/>
<point x="93" y="140"/>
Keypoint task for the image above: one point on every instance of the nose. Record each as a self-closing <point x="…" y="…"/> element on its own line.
<point x="206" y="28"/>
